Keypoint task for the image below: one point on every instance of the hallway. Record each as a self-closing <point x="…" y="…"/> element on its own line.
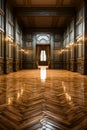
<point x="43" y="100"/>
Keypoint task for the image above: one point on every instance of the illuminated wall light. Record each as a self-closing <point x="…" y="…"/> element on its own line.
<point x="9" y="38"/>
<point x="71" y="44"/>
<point x="6" y="39"/>
<point x="79" y="39"/>
<point x="60" y="51"/>
<point x="67" y="46"/>
<point x="26" y="52"/>
<point x="22" y="50"/>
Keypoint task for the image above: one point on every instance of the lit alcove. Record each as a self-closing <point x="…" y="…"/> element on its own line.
<point x="43" y="41"/>
<point x="43" y="55"/>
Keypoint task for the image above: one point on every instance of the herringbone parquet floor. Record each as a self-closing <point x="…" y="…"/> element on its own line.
<point x="43" y="100"/>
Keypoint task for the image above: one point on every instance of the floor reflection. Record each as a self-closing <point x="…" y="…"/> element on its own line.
<point x="43" y="99"/>
<point x="43" y="74"/>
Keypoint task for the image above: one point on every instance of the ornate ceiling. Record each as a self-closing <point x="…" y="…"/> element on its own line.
<point x="45" y="14"/>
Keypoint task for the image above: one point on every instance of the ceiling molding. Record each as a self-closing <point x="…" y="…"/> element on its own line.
<point x="44" y="11"/>
<point x="55" y="30"/>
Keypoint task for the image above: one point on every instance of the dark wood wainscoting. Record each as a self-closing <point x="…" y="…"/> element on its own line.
<point x="1" y="66"/>
<point x="68" y="65"/>
<point x="58" y="65"/>
<point x="73" y="65"/>
<point x="17" y="65"/>
<point x="80" y="65"/>
<point x="28" y="64"/>
<point x="9" y="66"/>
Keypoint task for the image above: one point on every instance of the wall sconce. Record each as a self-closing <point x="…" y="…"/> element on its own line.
<point x="71" y="44"/>
<point x="6" y="39"/>
<point x="22" y="50"/>
<point x="15" y="45"/>
<point x="26" y="52"/>
<point x="59" y="52"/>
<point x="67" y="46"/>
<point x="80" y="39"/>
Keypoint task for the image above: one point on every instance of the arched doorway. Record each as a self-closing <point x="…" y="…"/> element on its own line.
<point x="43" y="49"/>
<point x="43" y="54"/>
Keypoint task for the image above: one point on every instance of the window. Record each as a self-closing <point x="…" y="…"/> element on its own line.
<point x="43" y="39"/>
<point x="10" y="30"/>
<point x="71" y="36"/>
<point x="18" y="37"/>
<point x="10" y="23"/>
<point x="43" y="55"/>
<point x="1" y="21"/>
<point x="79" y="29"/>
<point x="10" y="48"/>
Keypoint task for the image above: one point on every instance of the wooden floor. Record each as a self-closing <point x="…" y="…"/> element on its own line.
<point x="43" y="100"/>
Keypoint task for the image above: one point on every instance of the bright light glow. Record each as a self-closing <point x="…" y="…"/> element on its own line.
<point x="18" y="95"/>
<point x="22" y="90"/>
<point x="43" y="55"/>
<point x="9" y="100"/>
<point x="43" y="74"/>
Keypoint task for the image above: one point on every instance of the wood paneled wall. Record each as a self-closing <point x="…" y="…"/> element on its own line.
<point x="10" y="40"/>
<point x="74" y="43"/>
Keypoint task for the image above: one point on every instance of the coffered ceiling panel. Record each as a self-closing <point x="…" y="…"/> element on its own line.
<point x="70" y="2"/>
<point x="43" y="21"/>
<point x="19" y="3"/>
<point x="44" y="13"/>
<point x="27" y="21"/>
<point x="40" y="22"/>
<point x="42" y="3"/>
<point x="63" y="21"/>
<point x="67" y="2"/>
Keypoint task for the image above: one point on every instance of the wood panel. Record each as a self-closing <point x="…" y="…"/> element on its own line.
<point x="73" y="65"/>
<point x="29" y="64"/>
<point x="1" y="65"/>
<point x="80" y="65"/>
<point x="49" y="3"/>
